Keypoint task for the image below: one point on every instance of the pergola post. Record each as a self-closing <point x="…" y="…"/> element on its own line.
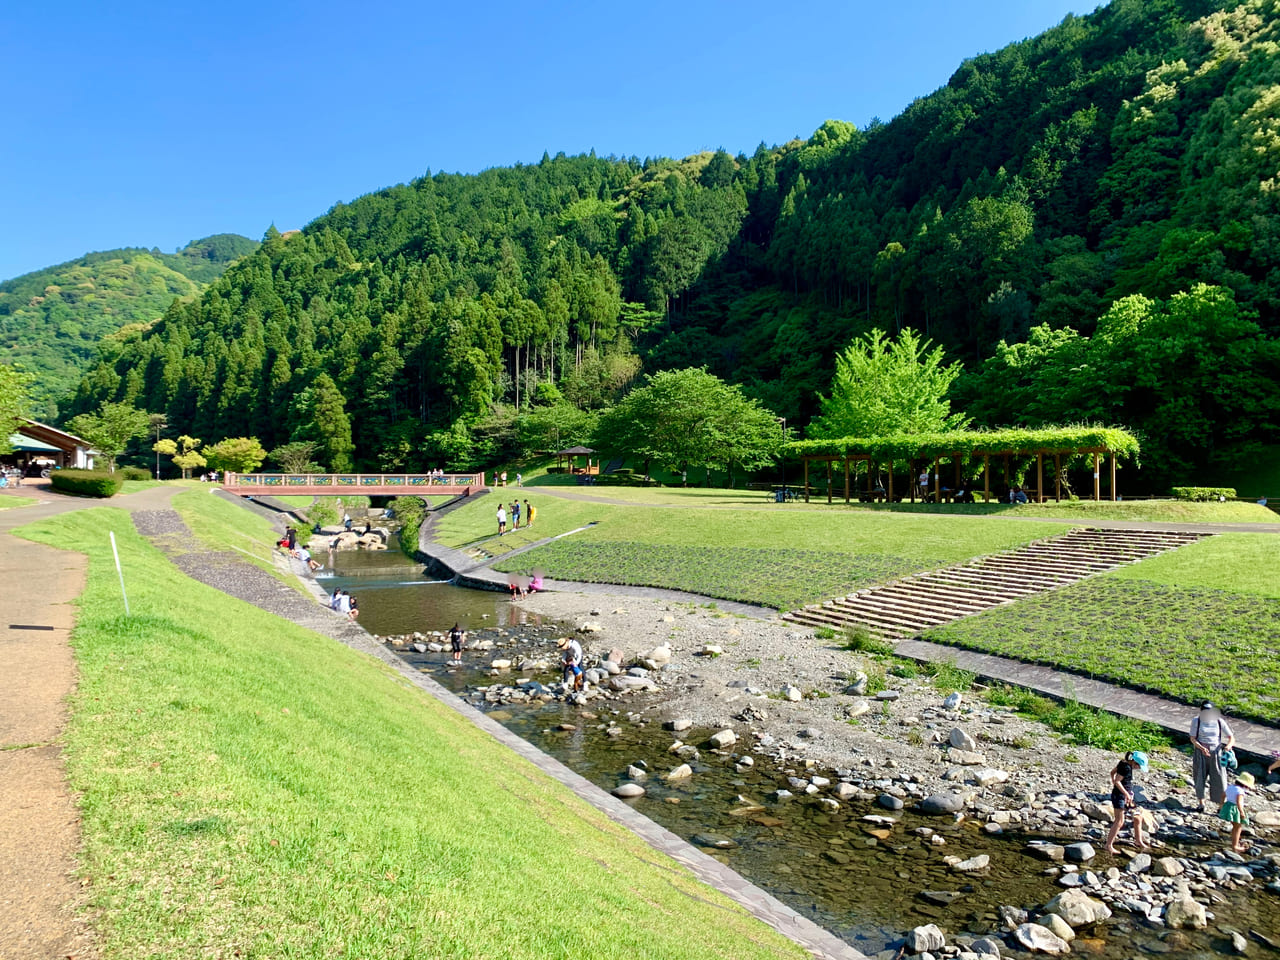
<point x="937" y="480"/>
<point x="846" y="478"/>
<point x="828" y="480"/>
<point x="1097" y="479"/>
<point x="1113" y="477"/>
<point x="890" y="484"/>
<point x="1057" y="476"/>
<point x="986" y="478"/>
<point x="806" y="479"/>
<point x="1040" y="477"/>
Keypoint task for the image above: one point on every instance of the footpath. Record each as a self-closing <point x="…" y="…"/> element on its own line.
<point x="40" y="898"/>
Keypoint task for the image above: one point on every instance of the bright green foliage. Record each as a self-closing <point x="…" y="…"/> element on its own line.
<point x="13" y="401"/>
<point x="110" y="428"/>
<point x="885" y="386"/>
<point x="683" y="418"/>
<point x="296" y="457"/>
<point x="1127" y="153"/>
<point x="321" y="415"/>
<point x="1195" y="371"/>
<point x="51" y="321"/>
<point x="1204" y="494"/>
<point x="86" y="483"/>
<point x="237" y="454"/>
<point x="972" y="444"/>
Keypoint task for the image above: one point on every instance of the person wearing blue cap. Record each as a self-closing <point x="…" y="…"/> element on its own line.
<point x="1123" y="802"/>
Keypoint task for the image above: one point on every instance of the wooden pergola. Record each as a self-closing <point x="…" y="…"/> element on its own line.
<point x="968" y="446"/>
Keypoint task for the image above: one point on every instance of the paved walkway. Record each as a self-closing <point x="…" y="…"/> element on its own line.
<point x="1254" y="739"/>
<point x="41" y="901"/>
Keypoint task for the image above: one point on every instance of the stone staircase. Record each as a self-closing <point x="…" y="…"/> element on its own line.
<point x="912" y="605"/>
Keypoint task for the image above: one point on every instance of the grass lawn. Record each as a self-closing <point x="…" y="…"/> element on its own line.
<point x="1150" y="511"/>
<point x="776" y="555"/>
<point x="137" y="486"/>
<point x="221" y="525"/>
<point x="1202" y="621"/>
<point x="249" y="788"/>
<point x="10" y="500"/>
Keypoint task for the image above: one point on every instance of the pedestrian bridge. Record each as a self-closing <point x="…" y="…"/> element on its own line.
<point x="350" y="484"/>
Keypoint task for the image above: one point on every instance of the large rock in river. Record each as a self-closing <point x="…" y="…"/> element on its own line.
<point x="942" y="804"/>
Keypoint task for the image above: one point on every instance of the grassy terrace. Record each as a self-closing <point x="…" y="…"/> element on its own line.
<point x="221" y="525"/>
<point x="249" y="788"/>
<point x="11" y="500"/>
<point x="1203" y="621"/>
<point x="731" y="545"/>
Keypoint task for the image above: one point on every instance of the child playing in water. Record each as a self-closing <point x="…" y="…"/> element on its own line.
<point x="1122" y="800"/>
<point x="1233" y="810"/>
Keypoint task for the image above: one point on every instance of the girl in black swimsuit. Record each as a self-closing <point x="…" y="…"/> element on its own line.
<point x="1122" y="801"/>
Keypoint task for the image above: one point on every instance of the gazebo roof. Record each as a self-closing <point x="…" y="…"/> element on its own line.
<point x="575" y="452"/>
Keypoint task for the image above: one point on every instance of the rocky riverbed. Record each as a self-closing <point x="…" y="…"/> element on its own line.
<point x="836" y="732"/>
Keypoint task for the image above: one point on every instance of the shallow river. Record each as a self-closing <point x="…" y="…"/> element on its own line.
<point x="863" y="882"/>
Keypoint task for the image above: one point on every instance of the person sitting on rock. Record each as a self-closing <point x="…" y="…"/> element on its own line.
<point x="1123" y="802"/>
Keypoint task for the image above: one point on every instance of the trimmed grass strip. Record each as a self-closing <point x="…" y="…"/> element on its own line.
<point x="250" y="788"/>
<point x="773" y="577"/>
<point x="1183" y="642"/>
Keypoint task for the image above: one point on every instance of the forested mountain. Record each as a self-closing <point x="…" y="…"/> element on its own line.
<point x="1088" y="219"/>
<point x="52" y="320"/>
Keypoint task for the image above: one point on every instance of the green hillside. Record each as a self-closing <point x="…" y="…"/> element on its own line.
<point x="1086" y="219"/>
<point x="52" y="320"/>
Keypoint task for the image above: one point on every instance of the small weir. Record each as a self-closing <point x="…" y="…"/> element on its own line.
<point x="868" y="882"/>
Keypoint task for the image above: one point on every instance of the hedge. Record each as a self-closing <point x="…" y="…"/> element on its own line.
<point x="1204" y="494"/>
<point x="972" y="443"/>
<point x="87" y="483"/>
<point x="135" y="473"/>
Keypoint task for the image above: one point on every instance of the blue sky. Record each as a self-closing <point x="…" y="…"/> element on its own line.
<point x="151" y="124"/>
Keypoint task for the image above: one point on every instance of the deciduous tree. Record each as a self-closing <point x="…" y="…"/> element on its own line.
<point x="110" y="428"/>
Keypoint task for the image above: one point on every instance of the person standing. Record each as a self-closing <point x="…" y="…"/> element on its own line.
<point x="530" y="511"/>
<point x="456" y="638"/>
<point x="1210" y="736"/>
<point x="515" y="514"/>
<point x="1123" y="801"/>
<point x="519" y="479"/>
<point x="502" y="519"/>
<point x="1232" y="810"/>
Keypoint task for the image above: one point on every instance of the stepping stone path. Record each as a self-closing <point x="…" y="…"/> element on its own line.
<point x="912" y="605"/>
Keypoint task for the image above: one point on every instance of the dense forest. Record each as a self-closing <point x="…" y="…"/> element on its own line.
<point x="52" y="320"/>
<point x="1089" y="220"/>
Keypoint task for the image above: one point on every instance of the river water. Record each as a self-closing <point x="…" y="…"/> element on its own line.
<point x="865" y="882"/>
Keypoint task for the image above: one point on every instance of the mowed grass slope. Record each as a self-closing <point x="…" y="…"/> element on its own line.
<point x="1201" y="621"/>
<point x="252" y="789"/>
<point x="776" y="555"/>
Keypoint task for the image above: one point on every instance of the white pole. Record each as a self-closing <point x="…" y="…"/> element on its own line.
<point x="116" y="554"/>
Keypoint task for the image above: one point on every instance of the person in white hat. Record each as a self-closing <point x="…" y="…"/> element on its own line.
<point x="1233" y="810"/>
<point x="572" y="661"/>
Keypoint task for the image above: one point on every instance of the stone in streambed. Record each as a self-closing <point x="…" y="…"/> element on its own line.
<point x="1044" y="850"/>
<point x="1038" y="939"/>
<point x="1167" y="867"/>
<point x="1080" y="852"/>
<point x="986" y="947"/>
<point x="628" y="790"/>
<point x="715" y="840"/>
<point x="723" y="739"/>
<point x="1060" y="927"/>
<point x="1077" y="908"/>
<point x="1185" y="913"/>
<point x="925" y="939"/>
<point x="942" y="804"/>
<point x="679" y="725"/>
<point x="678" y="773"/>
<point x="973" y="864"/>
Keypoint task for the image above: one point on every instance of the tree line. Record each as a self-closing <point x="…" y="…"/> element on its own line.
<point x="1013" y="216"/>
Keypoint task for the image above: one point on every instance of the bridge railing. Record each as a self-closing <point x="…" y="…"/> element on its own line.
<point x="301" y="482"/>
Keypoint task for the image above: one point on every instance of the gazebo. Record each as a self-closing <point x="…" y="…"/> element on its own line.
<point x="579" y="451"/>
<point x="967" y="446"/>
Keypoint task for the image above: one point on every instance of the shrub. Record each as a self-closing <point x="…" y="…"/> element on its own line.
<point x="410" y="511"/>
<point x="87" y="483"/>
<point x="1204" y="494"/>
<point x="135" y="473"/>
<point x="861" y="640"/>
